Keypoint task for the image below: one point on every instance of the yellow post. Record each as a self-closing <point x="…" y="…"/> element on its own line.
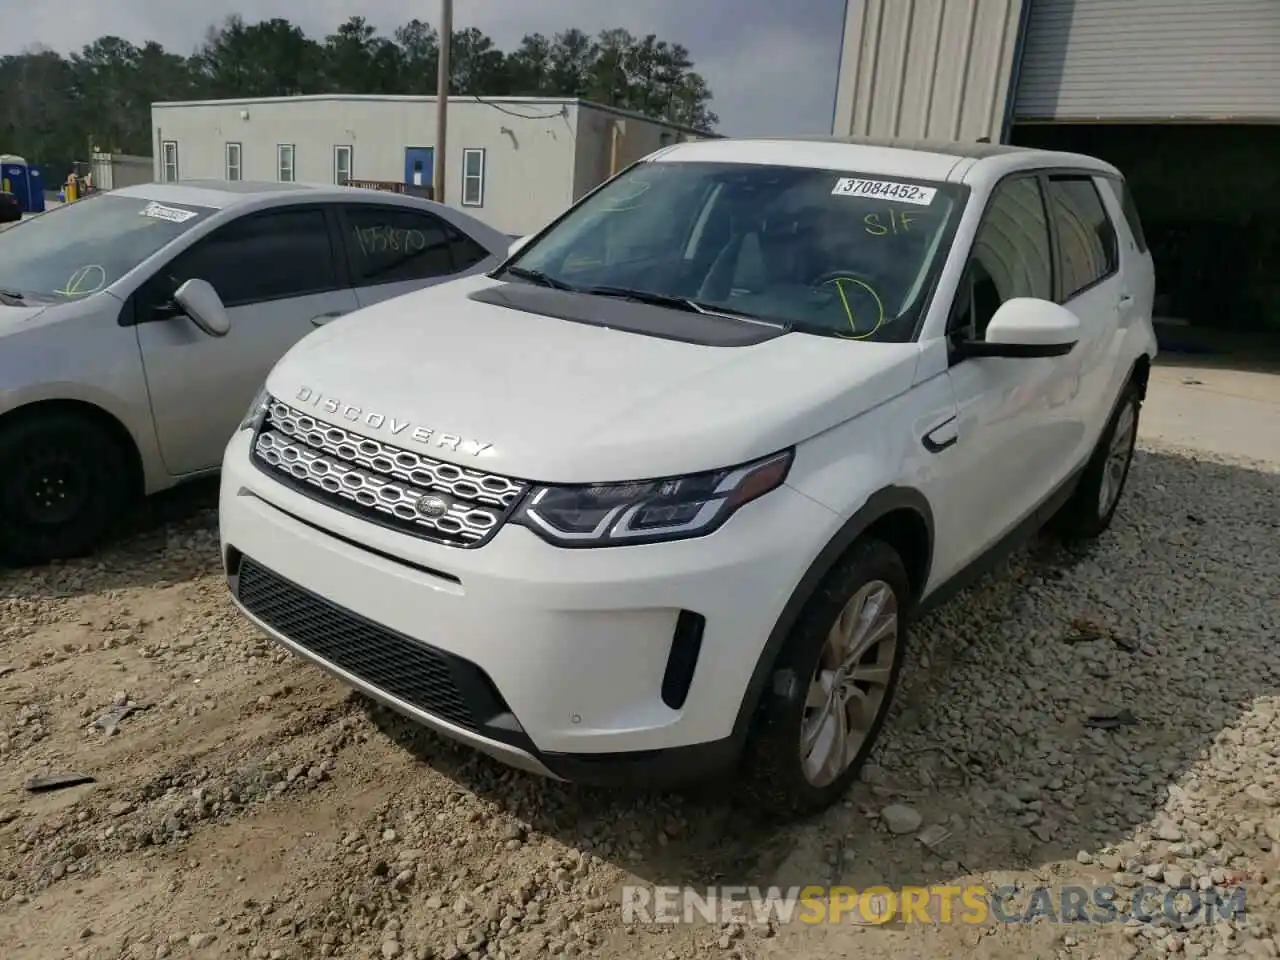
<point x="71" y="187"/>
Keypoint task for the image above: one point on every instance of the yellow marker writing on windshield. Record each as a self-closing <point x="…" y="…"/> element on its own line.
<point x="899" y="222"/>
<point x="848" y="310"/>
<point x="88" y="279"/>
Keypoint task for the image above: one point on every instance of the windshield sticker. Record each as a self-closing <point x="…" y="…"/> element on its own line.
<point x="158" y="211"/>
<point x="884" y="190"/>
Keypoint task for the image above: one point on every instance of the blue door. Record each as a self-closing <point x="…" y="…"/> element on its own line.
<point x="419" y="163"/>
<point x="35" y="190"/>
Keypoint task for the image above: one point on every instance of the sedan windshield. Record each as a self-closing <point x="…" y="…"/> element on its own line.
<point x="84" y="246"/>
<point x="831" y="252"/>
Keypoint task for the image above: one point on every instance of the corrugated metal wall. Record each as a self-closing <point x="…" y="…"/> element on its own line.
<point x="938" y="69"/>
<point x="1151" y="60"/>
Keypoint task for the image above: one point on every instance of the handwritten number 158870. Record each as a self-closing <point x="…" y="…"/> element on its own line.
<point x="384" y="239"/>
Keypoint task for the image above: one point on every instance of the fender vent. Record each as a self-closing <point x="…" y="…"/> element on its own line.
<point x="686" y="644"/>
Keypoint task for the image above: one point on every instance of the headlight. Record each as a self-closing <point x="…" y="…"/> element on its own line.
<point x="650" y="510"/>
<point x="257" y="411"/>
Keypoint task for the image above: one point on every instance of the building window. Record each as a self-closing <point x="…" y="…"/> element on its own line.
<point x="473" y="178"/>
<point x="285" y="171"/>
<point x="341" y="165"/>
<point x="169" y="161"/>
<point x="233" y="161"/>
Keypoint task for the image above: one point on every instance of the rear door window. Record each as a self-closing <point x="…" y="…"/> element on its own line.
<point x="393" y="244"/>
<point x="1088" y="251"/>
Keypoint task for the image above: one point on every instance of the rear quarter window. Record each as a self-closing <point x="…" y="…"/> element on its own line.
<point x="1131" y="215"/>
<point x="1130" y="208"/>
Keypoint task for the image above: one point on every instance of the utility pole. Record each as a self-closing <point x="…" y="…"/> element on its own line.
<point x="442" y="98"/>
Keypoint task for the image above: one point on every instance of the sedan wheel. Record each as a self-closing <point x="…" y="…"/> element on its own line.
<point x="63" y="486"/>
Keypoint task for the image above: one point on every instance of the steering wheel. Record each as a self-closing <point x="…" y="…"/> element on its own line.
<point x="845" y="284"/>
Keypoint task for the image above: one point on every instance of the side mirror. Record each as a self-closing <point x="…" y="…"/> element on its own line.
<point x="203" y="305"/>
<point x="517" y="245"/>
<point x="1027" y="327"/>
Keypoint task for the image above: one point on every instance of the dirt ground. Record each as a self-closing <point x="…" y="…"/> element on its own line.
<point x="245" y="805"/>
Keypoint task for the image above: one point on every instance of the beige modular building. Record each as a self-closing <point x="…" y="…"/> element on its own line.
<point x="1182" y="95"/>
<point x="513" y="162"/>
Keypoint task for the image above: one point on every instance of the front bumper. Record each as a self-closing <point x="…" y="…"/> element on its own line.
<point x="551" y="660"/>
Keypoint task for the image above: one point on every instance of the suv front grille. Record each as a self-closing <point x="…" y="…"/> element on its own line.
<point x="382" y="483"/>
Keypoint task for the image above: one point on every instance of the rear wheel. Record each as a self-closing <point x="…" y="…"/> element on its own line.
<point x="63" y="482"/>
<point x="1093" y="504"/>
<point x="834" y="684"/>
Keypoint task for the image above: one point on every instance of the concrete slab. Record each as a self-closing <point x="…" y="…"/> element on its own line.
<point x="1216" y="406"/>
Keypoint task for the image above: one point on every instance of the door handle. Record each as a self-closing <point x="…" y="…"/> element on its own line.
<point x="1126" y="299"/>
<point x="322" y="319"/>
<point x="944" y="435"/>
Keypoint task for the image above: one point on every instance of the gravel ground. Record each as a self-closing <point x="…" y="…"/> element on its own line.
<point x="247" y="806"/>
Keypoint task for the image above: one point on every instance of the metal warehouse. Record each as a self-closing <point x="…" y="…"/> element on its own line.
<point x="513" y="162"/>
<point x="1182" y="95"/>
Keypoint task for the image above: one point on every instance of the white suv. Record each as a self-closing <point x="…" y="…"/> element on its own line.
<point x="661" y="493"/>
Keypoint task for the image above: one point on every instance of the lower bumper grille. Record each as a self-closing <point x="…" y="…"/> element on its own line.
<point x="408" y="670"/>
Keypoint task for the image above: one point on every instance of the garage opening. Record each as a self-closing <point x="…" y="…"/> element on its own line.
<point x="1209" y="197"/>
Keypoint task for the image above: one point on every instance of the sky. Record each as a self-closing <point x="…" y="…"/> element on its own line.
<point x="771" y="66"/>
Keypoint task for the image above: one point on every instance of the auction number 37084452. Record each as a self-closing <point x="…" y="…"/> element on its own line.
<point x="884" y="190"/>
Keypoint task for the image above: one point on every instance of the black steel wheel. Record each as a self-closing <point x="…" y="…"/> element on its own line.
<point x="63" y="482"/>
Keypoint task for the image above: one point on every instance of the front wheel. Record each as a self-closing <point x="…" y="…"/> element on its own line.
<point x="834" y="684"/>
<point x="64" y="482"/>
<point x="1093" y="504"/>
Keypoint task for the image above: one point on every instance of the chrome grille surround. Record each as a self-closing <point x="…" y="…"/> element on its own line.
<point x="380" y="482"/>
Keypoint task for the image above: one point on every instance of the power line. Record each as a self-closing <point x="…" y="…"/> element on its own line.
<point x="521" y="116"/>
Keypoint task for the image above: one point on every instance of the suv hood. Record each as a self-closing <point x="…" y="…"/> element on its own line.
<point x="558" y="401"/>
<point x="11" y="317"/>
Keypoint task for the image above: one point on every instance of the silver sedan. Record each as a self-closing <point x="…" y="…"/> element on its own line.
<point x="137" y="325"/>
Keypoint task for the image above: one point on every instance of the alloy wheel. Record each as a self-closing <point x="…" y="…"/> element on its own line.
<point x="851" y="683"/>
<point x="1119" y="452"/>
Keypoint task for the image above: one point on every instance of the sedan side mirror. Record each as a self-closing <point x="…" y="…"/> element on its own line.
<point x="1027" y="327"/>
<point x="203" y="305"/>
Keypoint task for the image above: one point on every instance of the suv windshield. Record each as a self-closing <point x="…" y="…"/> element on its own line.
<point x="84" y="246"/>
<point x="831" y="252"/>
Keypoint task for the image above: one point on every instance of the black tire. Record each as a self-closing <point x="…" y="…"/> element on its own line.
<point x="1085" y="516"/>
<point x="63" y="484"/>
<point x="774" y="765"/>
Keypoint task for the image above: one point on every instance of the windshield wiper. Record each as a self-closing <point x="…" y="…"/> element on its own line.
<point x="11" y="295"/>
<point x="538" y="277"/>
<point x="687" y="304"/>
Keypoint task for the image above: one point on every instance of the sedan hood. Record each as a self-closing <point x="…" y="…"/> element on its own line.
<point x="558" y="401"/>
